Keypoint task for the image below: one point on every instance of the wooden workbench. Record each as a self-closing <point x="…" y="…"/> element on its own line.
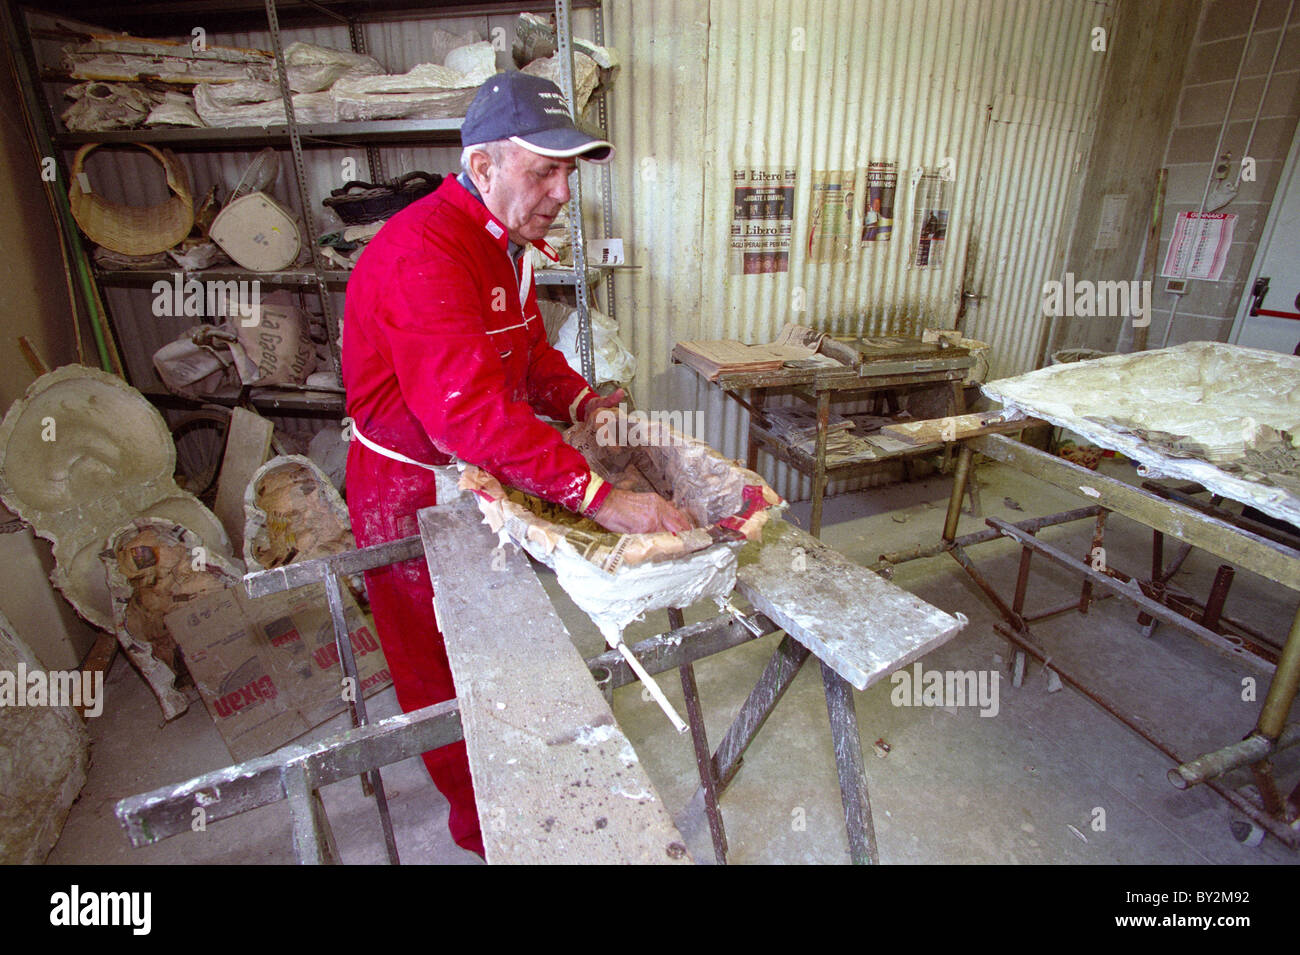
<point x="883" y="366"/>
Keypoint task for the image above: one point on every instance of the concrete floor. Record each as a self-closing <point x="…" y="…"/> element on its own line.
<point x="1050" y="778"/>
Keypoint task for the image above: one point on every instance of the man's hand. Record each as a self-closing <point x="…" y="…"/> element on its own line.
<point x="609" y="401"/>
<point x="640" y="512"/>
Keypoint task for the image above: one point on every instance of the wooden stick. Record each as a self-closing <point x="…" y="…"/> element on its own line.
<point x="33" y="359"/>
<point x="652" y="686"/>
<point x="1150" y="267"/>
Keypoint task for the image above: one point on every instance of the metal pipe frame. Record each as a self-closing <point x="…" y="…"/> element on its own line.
<point x="1249" y="750"/>
<point x="1184" y="495"/>
<point x="372" y="783"/>
<point x="170" y="810"/>
<point x="1275" y="826"/>
<point x="1241" y="548"/>
<point x="700" y="742"/>
<point x="1198" y="526"/>
<point x="304" y="192"/>
<point x="1129" y="590"/>
<point x="315" y="571"/>
<point x="887" y="561"/>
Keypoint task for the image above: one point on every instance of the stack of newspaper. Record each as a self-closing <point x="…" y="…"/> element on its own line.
<point x="798" y="427"/>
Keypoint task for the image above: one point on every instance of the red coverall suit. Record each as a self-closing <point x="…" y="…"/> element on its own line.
<point x="441" y="359"/>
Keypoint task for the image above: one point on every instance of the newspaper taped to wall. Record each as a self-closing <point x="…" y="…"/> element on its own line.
<point x="762" y="220"/>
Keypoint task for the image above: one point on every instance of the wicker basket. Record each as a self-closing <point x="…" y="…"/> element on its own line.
<point x="134" y="230"/>
<point x="360" y="203"/>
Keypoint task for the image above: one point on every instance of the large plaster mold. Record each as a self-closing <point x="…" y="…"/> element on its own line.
<point x="616" y="578"/>
<point x="1214" y="393"/>
<point x="111" y="459"/>
<point x="44" y="754"/>
<point x="105" y="438"/>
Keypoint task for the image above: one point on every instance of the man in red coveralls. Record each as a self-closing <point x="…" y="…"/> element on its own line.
<point x="445" y="355"/>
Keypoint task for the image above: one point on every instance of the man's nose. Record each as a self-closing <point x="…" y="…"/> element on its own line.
<point x="560" y="191"/>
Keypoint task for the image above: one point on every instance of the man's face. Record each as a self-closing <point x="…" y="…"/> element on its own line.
<point x="526" y="191"/>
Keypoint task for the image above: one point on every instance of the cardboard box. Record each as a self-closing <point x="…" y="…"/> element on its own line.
<point x="268" y="669"/>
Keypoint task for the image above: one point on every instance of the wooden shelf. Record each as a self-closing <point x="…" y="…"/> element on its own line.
<point x="428" y="132"/>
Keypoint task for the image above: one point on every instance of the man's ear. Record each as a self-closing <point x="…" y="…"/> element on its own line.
<point x="480" y="168"/>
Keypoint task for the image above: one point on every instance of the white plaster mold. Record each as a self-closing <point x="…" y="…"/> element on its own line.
<point x="81" y="453"/>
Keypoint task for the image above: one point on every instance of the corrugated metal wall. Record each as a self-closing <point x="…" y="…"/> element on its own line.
<point x="1005" y="89"/>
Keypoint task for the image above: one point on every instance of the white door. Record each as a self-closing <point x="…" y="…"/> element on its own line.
<point x="1278" y="261"/>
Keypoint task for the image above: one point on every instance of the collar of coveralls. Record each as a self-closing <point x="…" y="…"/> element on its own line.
<point x="513" y="248"/>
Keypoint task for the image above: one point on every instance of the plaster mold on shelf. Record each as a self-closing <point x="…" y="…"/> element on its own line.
<point x="426" y="91"/>
<point x="586" y="76"/>
<point x="152" y="567"/>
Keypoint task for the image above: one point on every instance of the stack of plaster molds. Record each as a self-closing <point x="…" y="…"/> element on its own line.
<point x="83" y="454"/>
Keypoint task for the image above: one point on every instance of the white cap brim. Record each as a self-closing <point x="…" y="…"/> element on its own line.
<point x="572" y="152"/>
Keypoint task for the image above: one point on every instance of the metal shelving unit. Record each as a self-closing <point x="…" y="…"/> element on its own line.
<point x="162" y="19"/>
<point x="291" y="278"/>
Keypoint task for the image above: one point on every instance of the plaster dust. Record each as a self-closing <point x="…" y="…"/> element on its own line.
<point x="1225" y="416"/>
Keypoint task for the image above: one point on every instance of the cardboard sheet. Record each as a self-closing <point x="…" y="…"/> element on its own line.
<point x="268" y="668"/>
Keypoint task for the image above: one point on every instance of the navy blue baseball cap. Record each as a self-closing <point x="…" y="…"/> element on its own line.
<point x="530" y="112"/>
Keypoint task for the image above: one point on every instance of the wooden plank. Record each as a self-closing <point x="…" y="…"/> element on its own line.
<point x="861" y="625"/>
<point x="956" y="427"/>
<point x="895" y="347"/>
<point x="914" y="366"/>
<point x="248" y="445"/>
<point x="100" y="658"/>
<point x="168" y="811"/>
<point x="555" y="778"/>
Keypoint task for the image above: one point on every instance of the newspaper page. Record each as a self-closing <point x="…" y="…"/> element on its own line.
<point x="930" y="208"/>
<point x="878" y="211"/>
<point x="1199" y="246"/>
<point x="830" y="228"/>
<point x="762" y="220"/>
